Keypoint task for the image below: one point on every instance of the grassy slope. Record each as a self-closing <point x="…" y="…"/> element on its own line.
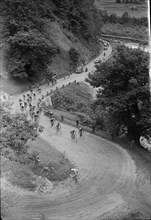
<point x="25" y="176"/>
<point x="73" y="102"/>
<point x="64" y="40"/>
<point x="75" y="97"/>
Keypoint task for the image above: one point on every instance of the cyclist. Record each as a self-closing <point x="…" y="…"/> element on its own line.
<point x="81" y="132"/>
<point x="24" y="97"/>
<point x="93" y="129"/>
<point x="62" y="118"/>
<point x="73" y="134"/>
<point x="39" y="90"/>
<point x="75" y="174"/>
<point x="52" y="122"/>
<point x="86" y="69"/>
<point x="22" y="108"/>
<point x="34" y="95"/>
<point x="35" y="117"/>
<point x="25" y="105"/>
<point x="51" y="114"/>
<point x="77" y="123"/>
<point x="58" y="127"/>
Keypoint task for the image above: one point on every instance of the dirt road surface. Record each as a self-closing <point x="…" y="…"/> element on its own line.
<point x="107" y="186"/>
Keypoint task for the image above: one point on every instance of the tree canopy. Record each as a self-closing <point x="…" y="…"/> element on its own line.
<point x="74" y="57"/>
<point x="29" y="51"/>
<point x="125" y="94"/>
<point x="16" y="130"/>
<point x="81" y="17"/>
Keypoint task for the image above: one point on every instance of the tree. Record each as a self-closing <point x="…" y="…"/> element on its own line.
<point x="29" y="49"/>
<point x="29" y="53"/>
<point x="125" y="17"/>
<point x="125" y="94"/>
<point x="74" y="57"/>
<point x="17" y="133"/>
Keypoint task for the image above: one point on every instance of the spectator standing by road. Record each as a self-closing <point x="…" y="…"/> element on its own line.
<point x="77" y="123"/>
<point x="93" y="129"/>
<point x="62" y="118"/>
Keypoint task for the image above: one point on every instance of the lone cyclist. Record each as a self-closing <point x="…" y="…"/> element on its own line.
<point x="81" y="132"/>
<point x="52" y="122"/>
<point x="73" y="134"/>
<point x="58" y="127"/>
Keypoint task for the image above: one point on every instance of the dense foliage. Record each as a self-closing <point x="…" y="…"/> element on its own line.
<point x="74" y="57"/>
<point x="124" y="19"/>
<point x="136" y="32"/>
<point x="125" y="25"/>
<point x="30" y="49"/>
<point x="16" y="130"/>
<point x="29" y="52"/>
<point x="80" y="17"/>
<point x="125" y="95"/>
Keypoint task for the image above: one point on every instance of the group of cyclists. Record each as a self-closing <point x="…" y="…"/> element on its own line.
<point x="74" y="134"/>
<point x="29" y="105"/>
<point x="57" y="127"/>
<point x="32" y="105"/>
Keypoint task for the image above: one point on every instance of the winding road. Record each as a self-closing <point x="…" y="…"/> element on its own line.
<point x="107" y="188"/>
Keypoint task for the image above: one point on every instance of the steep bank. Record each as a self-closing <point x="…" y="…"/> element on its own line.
<point x="39" y="37"/>
<point x="2" y="70"/>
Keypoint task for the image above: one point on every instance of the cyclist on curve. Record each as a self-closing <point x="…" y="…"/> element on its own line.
<point x="58" y="127"/>
<point x="73" y="134"/>
<point x="52" y="122"/>
<point x="81" y="132"/>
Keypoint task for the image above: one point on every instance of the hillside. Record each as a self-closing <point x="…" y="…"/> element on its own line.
<point x="124" y="18"/>
<point x="1" y="48"/>
<point x="39" y="35"/>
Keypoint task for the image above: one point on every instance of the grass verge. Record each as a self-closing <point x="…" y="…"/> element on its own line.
<point x="52" y="166"/>
<point x="58" y="165"/>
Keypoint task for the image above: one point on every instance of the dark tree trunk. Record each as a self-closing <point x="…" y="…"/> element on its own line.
<point x="134" y="133"/>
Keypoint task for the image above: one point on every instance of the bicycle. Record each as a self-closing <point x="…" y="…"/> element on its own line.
<point x="75" y="175"/>
<point x="58" y="128"/>
<point x="81" y="132"/>
<point x="73" y="135"/>
<point x="52" y="121"/>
